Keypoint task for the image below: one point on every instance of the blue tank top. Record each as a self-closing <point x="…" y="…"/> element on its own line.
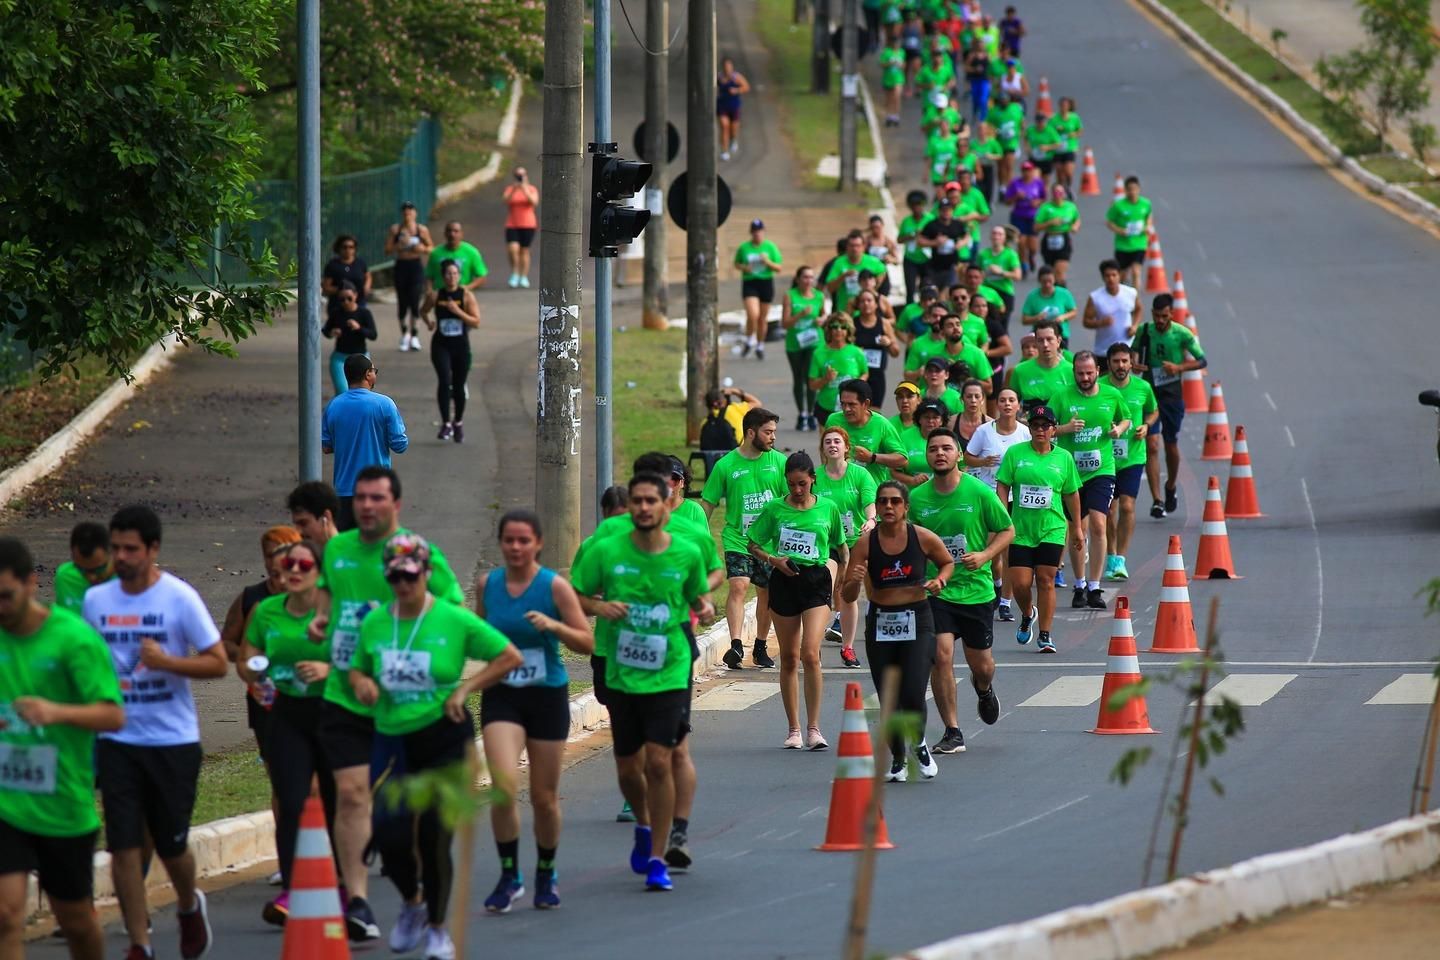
<point x="543" y="666"/>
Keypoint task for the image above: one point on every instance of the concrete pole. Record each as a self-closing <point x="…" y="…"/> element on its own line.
<point x="702" y="202"/>
<point x="849" y="92"/>
<point x="604" y="268"/>
<point x="820" y="48"/>
<point x="308" y="119"/>
<point x="656" y="303"/>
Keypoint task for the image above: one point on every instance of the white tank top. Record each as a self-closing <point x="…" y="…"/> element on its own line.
<point x="1116" y="308"/>
<point x="1009" y="85"/>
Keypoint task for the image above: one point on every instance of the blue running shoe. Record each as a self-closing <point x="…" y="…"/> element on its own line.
<point x="507" y="891"/>
<point x="640" y="853"/>
<point x="1046" y="644"/>
<point x="547" y="891"/>
<point x="1022" y="634"/>
<point x="1109" y="573"/>
<point x="657" y="877"/>
<point x="1059" y="578"/>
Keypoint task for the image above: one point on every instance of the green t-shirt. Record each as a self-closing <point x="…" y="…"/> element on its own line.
<point x="910" y="228"/>
<point x="877" y="436"/>
<point x="1038" y="484"/>
<point x="745" y="484"/>
<point x="911" y="320"/>
<point x="47" y="774"/>
<point x="921" y="349"/>
<point x="852" y="493"/>
<point x="472" y="264"/>
<point x="1035" y="384"/>
<point x="988" y="150"/>
<point x="964" y="519"/>
<point x="1053" y="307"/>
<point x="848" y="363"/>
<point x="70" y="586"/>
<point x="646" y="650"/>
<point x="940" y="156"/>
<point x="1130" y="217"/>
<point x="807" y="310"/>
<point x="914" y="443"/>
<point x="355" y="578"/>
<point x="949" y="399"/>
<point x="682" y="526"/>
<point x="805" y="536"/>
<point x="974" y="358"/>
<point x="1072" y="126"/>
<point x="1006" y="259"/>
<point x="1044" y="142"/>
<point x="849" y="287"/>
<point x="997" y="302"/>
<point x="935" y="80"/>
<point x="419" y="663"/>
<point x="1090" y="445"/>
<point x="1066" y="213"/>
<point x="973" y="202"/>
<point x="747" y="258"/>
<point x="892" y="68"/>
<point x="973" y="331"/>
<point x="1156" y="348"/>
<point x="280" y="635"/>
<point x="1008" y="121"/>
<point x="1140" y="402"/>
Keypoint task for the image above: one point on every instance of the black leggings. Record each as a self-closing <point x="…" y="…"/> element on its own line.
<point x="450" y="356"/>
<point x="914" y="279"/>
<point x="913" y="657"/>
<point x="800" y="379"/>
<point x="294" y="755"/>
<point x="876" y="379"/>
<point x="409" y="290"/>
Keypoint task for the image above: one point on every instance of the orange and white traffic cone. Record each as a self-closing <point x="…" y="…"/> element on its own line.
<point x="1155" y="281"/>
<point x="1181" y="312"/>
<point x="1119" y="192"/>
<point x="1241" y="501"/>
<point x="1043" y="103"/>
<point x="1217" y="428"/>
<point x="1192" y="390"/>
<point x="1122" y="670"/>
<point x="854" y="781"/>
<point x="1174" y="622"/>
<point x="1090" y="177"/>
<point x="1212" y="561"/>
<point x="315" y="927"/>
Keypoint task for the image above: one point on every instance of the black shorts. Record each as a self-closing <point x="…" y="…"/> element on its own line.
<point x="640" y="718"/>
<point x="521" y="235"/>
<point x="810" y="588"/>
<point x="763" y="290"/>
<point x="1096" y="495"/>
<point x="1064" y="156"/>
<point x="1129" y="258"/>
<point x="968" y="621"/>
<point x="597" y="673"/>
<point x="347" y="737"/>
<point x="1046" y="166"/>
<point x="150" y="787"/>
<point x="1053" y="255"/>
<point x="544" y="712"/>
<point x="257" y="718"/>
<point x="1041" y="555"/>
<point x="744" y="565"/>
<point x="65" y="864"/>
<point x="1172" y="415"/>
<point x="1127" y="480"/>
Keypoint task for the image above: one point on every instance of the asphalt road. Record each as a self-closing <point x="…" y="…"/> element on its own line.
<point x="1288" y="270"/>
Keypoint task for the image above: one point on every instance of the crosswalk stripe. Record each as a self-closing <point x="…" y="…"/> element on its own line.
<point x="1067" y="692"/>
<point x="735" y="696"/>
<point x="1407" y="688"/>
<point x="1247" y="689"/>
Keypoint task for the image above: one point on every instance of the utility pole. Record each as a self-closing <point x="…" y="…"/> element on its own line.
<point x="604" y="397"/>
<point x="557" y="420"/>
<point x="820" y="48"/>
<point x="702" y="203"/>
<point x="308" y="119"/>
<point x="656" y="304"/>
<point x="849" y="92"/>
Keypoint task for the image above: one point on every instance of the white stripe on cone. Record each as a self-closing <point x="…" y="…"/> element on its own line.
<point x="1219" y="417"/>
<point x="1241" y="471"/>
<point x="1129" y="666"/>
<point x="853" y="721"/>
<point x="311" y="843"/>
<point x="1174" y="595"/>
<point x="315" y="904"/>
<point x="1212" y="528"/>
<point x="1174" y="561"/>
<point x="855" y="768"/>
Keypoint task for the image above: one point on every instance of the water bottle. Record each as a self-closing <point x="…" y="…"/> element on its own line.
<point x="263" y="690"/>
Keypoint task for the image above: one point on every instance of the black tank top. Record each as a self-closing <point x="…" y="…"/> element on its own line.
<point x="252" y="595"/>
<point x="903" y="569"/>
<point x="450" y="324"/>
<point x="866" y="339"/>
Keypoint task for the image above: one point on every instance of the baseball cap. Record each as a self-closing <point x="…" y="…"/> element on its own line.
<point x="932" y="406"/>
<point x="935" y="363"/>
<point x="677" y="468"/>
<point x="929" y="292"/>
<point x="905" y="386"/>
<point x="946" y="203"/>
<point x="1042" y="412"/>
<point x="952" y="185"/>
<point x="1027" y="165"/>
<point x="408" y="205"/>
<point x="406" y="553"/>
<point x="757" y="224"/>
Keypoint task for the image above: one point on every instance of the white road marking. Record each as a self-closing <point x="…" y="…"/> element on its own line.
<point x="740" y="695"/>
<point x="1308" y="664"/>
<point x="1289" y="436"/>
<point x="872" y="702"/>
<point x="1319" y="562"/>
<point x="1039" y="816"/>
<point x="811" y="812"/>
<point x="1254" y="370"/>
<point x="1163" y="202"/>
<point x="1215" y="279"/>
<point x="1244" y="337"/>
<point x="1269" y="399"/>
<point x="1231" y="307"/>
<point x="998" y="720"/>
<point x="1183" y="225"/>
<point x="1247" y="689"/>
<point x="1067" y="692"/>
<point x="1412" y="688"/>
<point x="1200" y="248"/>
<point x="786" y="836"/>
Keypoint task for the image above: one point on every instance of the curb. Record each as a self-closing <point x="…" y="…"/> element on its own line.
<point x="46" y="457"/>
<point x="1400" y="196"/>
<point x="1158" y="918"/>
<point x="450" y="192"/>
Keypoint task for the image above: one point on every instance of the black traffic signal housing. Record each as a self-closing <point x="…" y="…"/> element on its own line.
<point x="612" y="180"/>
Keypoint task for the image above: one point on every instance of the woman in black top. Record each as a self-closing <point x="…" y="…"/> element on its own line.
<point x="345" y="265"/>
<point x="350" y="325"/>
<point x="455" y="312"/>
<point x="874" y="335"/>
<point x="409" y="244"/>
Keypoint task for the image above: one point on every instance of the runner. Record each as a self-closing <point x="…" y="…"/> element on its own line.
<point x="57" y="690"/>
<point x="949" y="242"/>
<point x="1165" y="351"/>
<point x="730" y="86"/>
<point x="1050" y="301"/>
<point x="1045" y="140"/>
<point x="873" y="438"/>
<point x="882" y="248"/>
<point x="1058" y="220"/>
<point x="974" y="527"/>
<point x="892" y="78"/>
<point x="927" y="345"/>
<point x="1024" y="197"/>
<point x="834" y="362"/>
<point x="1037" y="379"/>
<point x="938" y="389"/>
<point x="852" y="487"/>
<point x="929" y="417"/>
<point x="529" y="711"/>
<point x="456" y="313"/>
<point x="345" y="267"/>
<point x="794" y="536"/>
<point x="1130" y="456"/>
<point x="875" y="336"/>
<point x="147" y="770"/>
<point x="987" y="147"/>
<point x="1130" y="219"/>
<point x="640" y="587"/>
<point x="408" y="243"/>
<point x="89" y="564"/>
<point x="1040" y="483"/>
<point x="940" y="151"/>
<point x="907" y="401"/>
<point x="1112" y="309"/>
<point x="1001" y="268"/>
<point x="890" y="561"/>
<point x="1071" y="126"/>
<point x="996" y="348"/>
<point x="745" y="478"/>
<point x="313" y="507"/>
<point x="977" y="77"/>
<point x="350" y="325"/>
<point x="843" y="280"/>
<point x="757" y="259"/>
<point x="957" y="350"/>
<point x="472" y="265"/>
<point x="1008" y="118"/>
<point x="1094" y="415"/>
<point x="972" y="411"/>
<point x="982" y="455"/>
<point x="521" y="200"/>
<point x="917" y="258"/>
<point x="1012" y="29"/>
<point x="418" y="695"/>
<point x="800" y="314"/>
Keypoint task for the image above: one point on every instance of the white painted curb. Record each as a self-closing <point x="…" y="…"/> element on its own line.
<point x="1396" y="194"/>
<point x="1158" y="918"/>
<point x="449" y="192"/>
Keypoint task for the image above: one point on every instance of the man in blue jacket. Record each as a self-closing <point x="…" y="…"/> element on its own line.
<point x="361" y="428"/>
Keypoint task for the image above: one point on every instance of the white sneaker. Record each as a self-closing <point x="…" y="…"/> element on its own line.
<point x="899" y="772"/>
<point x="409" y="929"/>
<point x="928" y="767"/>
<point x="438" y="945"/>
<point x="404" y="342"/>
<point x="725" y="155"/>
<point x="415" y="342"/>
<point x="514" y="281"/>
<point x="275" y="879"/>
<point x="525" y="282"/>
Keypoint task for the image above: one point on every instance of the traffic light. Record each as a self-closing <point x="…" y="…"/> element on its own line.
<point x="612" y="180"/>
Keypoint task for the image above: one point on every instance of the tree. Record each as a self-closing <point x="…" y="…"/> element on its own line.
<point x="127" y="147"/>
<point x="1391" y="67"/>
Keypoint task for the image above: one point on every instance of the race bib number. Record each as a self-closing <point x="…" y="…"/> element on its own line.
<point x="947" y="246"/>
<point x="879" y="252"/>
<point x="642" y="651"/>
<point x="847" y="523"/>
<point x="406" y="671"/>
<point x="938" y="99"/>
<point x="754" y="260"/>
<point x="1007" y="130"/>
<point x="874" y="358"/>
<point x="1054" y="241"/>
<point x="1035" y="497"/>
<point x="1160" y="377"/>
<point x="799" y="544"/>
<point x="745" y="520"/>
<point x="1087" y="461"/>
<point x="807" y="338"/>
<point x="450" y="327"/>
<point x="911" y="246"/>
<point x="956" y="546"/>
<point x="1134" y="228"/>
<point x="347" y="632"/>
<point x="29" y="769"/>
<point x="894" y="626"/>
<point x="852" y="283"/>
<point x="940" y="166"/>
<point x="530" y="673"/>
<point x="1120" y="447"/>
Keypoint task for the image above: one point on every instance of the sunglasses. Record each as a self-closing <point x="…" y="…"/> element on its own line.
<point x="401" y="576"/>
<point x="884" y="500"/>
<point x="836" y="326"/>
<point x="303" y="564"/>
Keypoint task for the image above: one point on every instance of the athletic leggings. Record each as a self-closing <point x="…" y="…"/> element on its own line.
<point x="913" y="657"/>
<point x="294" y="755"/>
<point x="979" y="99"/>
<point x="914" y="279"/>
<point x="800" y="379"/>
<point x="450" y="356"/>
<point x="409" y="290"/>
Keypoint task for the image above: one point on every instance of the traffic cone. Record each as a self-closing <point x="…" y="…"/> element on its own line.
<point x="1192" y="389"/>
<point x="1182" y="303"/>
<point x="854" y="780"/>
<point x="1155" y="281"/>
<point x="1217" y="428"/>
<point x="1119" y="191"/>
<point x="315" y="927"/>
<point x="1090" y="177"/>
<point x="1241" y="502"/>
<point x="1123" y="670"/>
<point x="1043" y="103"/>
<point x="1213" y="562"/>
<point x="1174" y="623"/>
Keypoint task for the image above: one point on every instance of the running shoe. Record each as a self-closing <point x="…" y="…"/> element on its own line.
<point x="1059" y="578"/>
<point x="1109" y="571"/>
<point x="952" y="742"/>
<point x="760" y="351"/>
<point x="832" y="633"/>
<point x="677" y="850"/>
<point x="1121" y="573"/>
<point x="409" y="930"/>
<point x="626" y="815"/>
<point x="506" y="892"/>
<point x="734" y="655"/>
<point x="360" y="923"/>
<point x="1047" y="645"/>
<point x="458" y="434"/>
<point x="524" y="282"/>
<point x="1022" y="635"/>
<point x="513" y="282"/>
<point x="1006" y="613"/>
<point x="1078" y="600"/>
<point x="792" y="740"/>
<point x="761" y="658"/>
<point x="723" y="156"/>
<point x="404" y="342"/>
<point x="847" y="657"/>
<point x="899" y="771"/>
<point x="446" y="431"/>
<point x="1172" y="500"/>
<point x="987" y="704"/>
<point x="657" y="877"/>
<point x="438" y="945"/>
<point x="195" y="932"/>
<point x="275" y="879"/>
<point x="745" y="347"/>
<point x="277" y="911"/>
<point x="640" y="853"/>
<point x="1095" y="599"/>
<point x="547" y="891"/>
<point x="802" y="423"/>
<point x="414" y="342"/>
<point x="928" y="767"/>
<point x="815" y="740"/>
<point x="1157" y="511"/>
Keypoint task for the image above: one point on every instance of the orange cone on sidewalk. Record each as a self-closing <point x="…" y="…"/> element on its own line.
<point x="1241" y="501"/>
<point x="1043" y="103"/>
<point x="1174" y="621"/>
<point x="1122" y="670"/>
<point x="1217" y="428"/>
<point x="1090" y="177"/>
<point x="315" y="927"/>
<point x="1181" y="312"/>
<point x="1192" y="391"/>
<point x="1155" y="281"/>
<point x="854" y="781"/>
<point x="1119" y="192"/>
<point x="1213" y="562"/>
